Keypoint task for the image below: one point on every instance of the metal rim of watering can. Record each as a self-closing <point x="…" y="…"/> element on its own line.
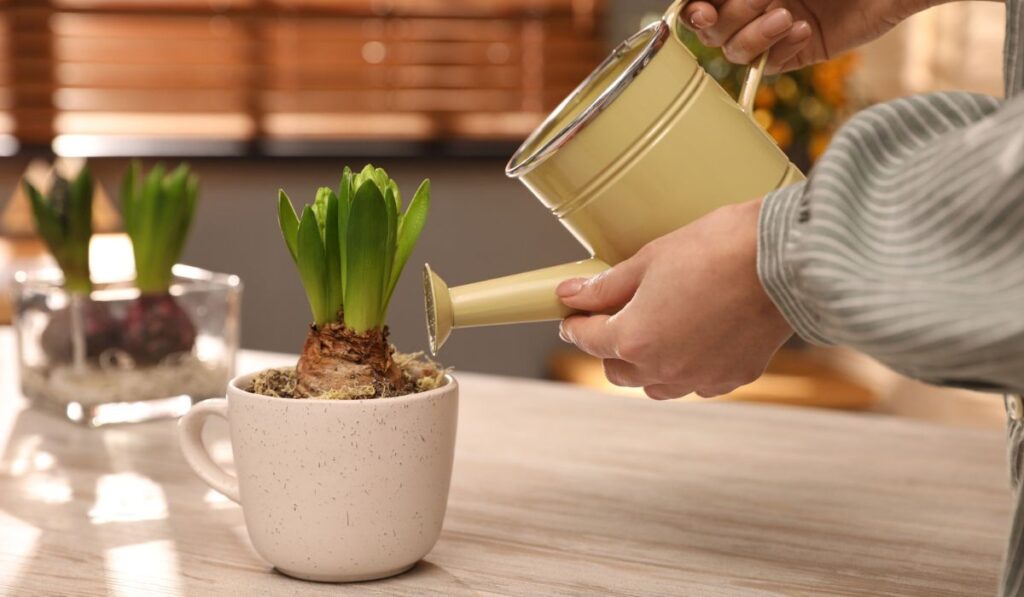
<point x="662" y="29"/>
<point x="655" y="35"/>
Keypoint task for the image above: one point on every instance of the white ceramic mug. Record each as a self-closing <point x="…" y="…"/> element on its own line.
<point x="334" y="491"/>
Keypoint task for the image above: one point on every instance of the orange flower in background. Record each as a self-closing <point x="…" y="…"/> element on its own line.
<point x="764" y="118"/>
<point x="765" y="97"/>
<point x="800" y="109"/>
<point x="819" y="143"/>
<point x="829" y="78"/>
<point x="782" y="133"/>
<point x="787" y="89"/>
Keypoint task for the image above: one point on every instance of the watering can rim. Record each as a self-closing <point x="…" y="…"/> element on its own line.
<point x="654" y="35"/>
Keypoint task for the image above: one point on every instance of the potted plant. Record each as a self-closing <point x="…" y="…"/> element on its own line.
<point x="79" y="329"/>
<point x="128" y="350"/>
<point x="158" y="213"/>
<point x="343" y="461"/>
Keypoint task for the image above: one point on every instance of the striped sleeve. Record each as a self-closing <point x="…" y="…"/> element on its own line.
<point x="907" y="241"/>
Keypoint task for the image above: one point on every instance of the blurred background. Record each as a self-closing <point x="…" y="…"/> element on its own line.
<point x="262" y="94"/>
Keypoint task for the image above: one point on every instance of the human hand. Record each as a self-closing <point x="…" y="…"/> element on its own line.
<point x="798" y="32"/>
<point x="685" y="314"/>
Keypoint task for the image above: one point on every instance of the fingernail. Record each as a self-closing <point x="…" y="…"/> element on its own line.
<point x="698" y="20"/>
<point x="570" y="288"/>
<point x="776" y="23"/>
<point x="801" y="31"/>
<point x="562" y="335"/>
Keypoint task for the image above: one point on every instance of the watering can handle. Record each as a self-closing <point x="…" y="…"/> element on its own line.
<point x="754" y="72"/>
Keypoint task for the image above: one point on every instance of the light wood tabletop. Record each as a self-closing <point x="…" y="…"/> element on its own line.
<point x="556" y="491"/>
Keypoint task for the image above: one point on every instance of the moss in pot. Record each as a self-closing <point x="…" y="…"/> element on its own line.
<point x="158" y="211"/>
<point x="350" y="247"/>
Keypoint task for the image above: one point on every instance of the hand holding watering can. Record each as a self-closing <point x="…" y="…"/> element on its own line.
<point x="701" y="279"/>
<point x="646" y="145"/>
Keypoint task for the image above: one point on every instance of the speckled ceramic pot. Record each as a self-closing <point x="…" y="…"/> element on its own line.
<point x="334" y="491"/>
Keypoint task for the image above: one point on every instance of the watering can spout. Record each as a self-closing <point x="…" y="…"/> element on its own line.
<point x="519" y="298"/>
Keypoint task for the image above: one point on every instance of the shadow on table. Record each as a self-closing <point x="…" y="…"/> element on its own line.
<point x="423" y="578"/>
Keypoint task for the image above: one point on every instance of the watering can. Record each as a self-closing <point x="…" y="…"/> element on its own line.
<point x="648" y="143"/>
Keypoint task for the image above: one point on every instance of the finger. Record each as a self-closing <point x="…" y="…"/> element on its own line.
<point x="714" y="392"/>
<point x="758" y="37"/>
<point x="699" y="15"/>
<point x="667" y="392"/>
<point x="732" y="16"/>
<point x="786" y="51"/>
<point x="623" y="374"/>
<point x="607" y="291"/>
<point x="593" y="334"/>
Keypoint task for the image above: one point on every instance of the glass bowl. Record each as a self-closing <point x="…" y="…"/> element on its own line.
<point x="118" y="356"/>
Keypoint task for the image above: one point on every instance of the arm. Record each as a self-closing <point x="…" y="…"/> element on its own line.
<point x="907" y="242"/>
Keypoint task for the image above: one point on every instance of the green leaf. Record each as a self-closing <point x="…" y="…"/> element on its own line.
<point x="345" y="187"/>
<point x="382" y="179"/>
<point x="409" y="231"/>
<point x="320" y="207"/>
<point x="366" y="247"/>
<point x="313" y="266"/>
<point x="393" y="187"/>
<point x="389" y="248"/>
<point x="78" y="232"/>
<point x="332" y="248"/>
<point x="345" y="194"/>
<point x="186" y="213"/>
<point x="145" y="243"/>
<point x="367" y="173"/>
<point x="129" y="190"/>
<point x="175" y="221"/>
<point x="47" y="223"/>
<point x="289" y="223"/>
<point x="158" y="210"/>
<point x="80" y="206"/>
<point x="64" y="221"/>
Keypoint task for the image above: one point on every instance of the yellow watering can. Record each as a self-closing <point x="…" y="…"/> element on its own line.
<point x="648" y="143"/>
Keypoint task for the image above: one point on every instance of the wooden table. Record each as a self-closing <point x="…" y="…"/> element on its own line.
<point x="556" y="491"/>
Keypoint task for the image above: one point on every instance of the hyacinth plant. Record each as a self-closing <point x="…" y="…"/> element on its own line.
<point x="158" y="209"/>
<point x="63" y="218"/>
<point x="350" y="247"/>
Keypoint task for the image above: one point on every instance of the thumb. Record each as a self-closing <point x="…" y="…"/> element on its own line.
<point x="607" y="291"/>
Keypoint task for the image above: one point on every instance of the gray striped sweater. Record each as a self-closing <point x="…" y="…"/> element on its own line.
<point x="907" y="243"/>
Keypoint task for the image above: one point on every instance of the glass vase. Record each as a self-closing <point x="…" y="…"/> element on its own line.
<point x="119" y="356"/>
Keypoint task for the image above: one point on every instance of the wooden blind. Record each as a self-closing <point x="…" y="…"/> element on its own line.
<point x="8" y="144"/>
<point x="180" y="74"/>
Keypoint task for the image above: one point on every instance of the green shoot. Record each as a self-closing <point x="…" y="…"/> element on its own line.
<point x="158" y="212"/>
<point x="64" y="221"/>
<point x="350" y="246"/>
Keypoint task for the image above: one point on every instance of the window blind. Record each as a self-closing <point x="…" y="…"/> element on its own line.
<point x="213" y="76"/>
<point x="8" y="144"/>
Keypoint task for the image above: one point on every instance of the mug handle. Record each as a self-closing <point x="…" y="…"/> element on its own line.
<point x="190" y="436"/>
<point x="755" y="71"/>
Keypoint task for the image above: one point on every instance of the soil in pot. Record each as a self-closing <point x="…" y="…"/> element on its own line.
<point x="338" y="364"/>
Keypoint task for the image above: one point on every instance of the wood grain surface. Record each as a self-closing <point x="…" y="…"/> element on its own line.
<point x="556" y="491"/>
